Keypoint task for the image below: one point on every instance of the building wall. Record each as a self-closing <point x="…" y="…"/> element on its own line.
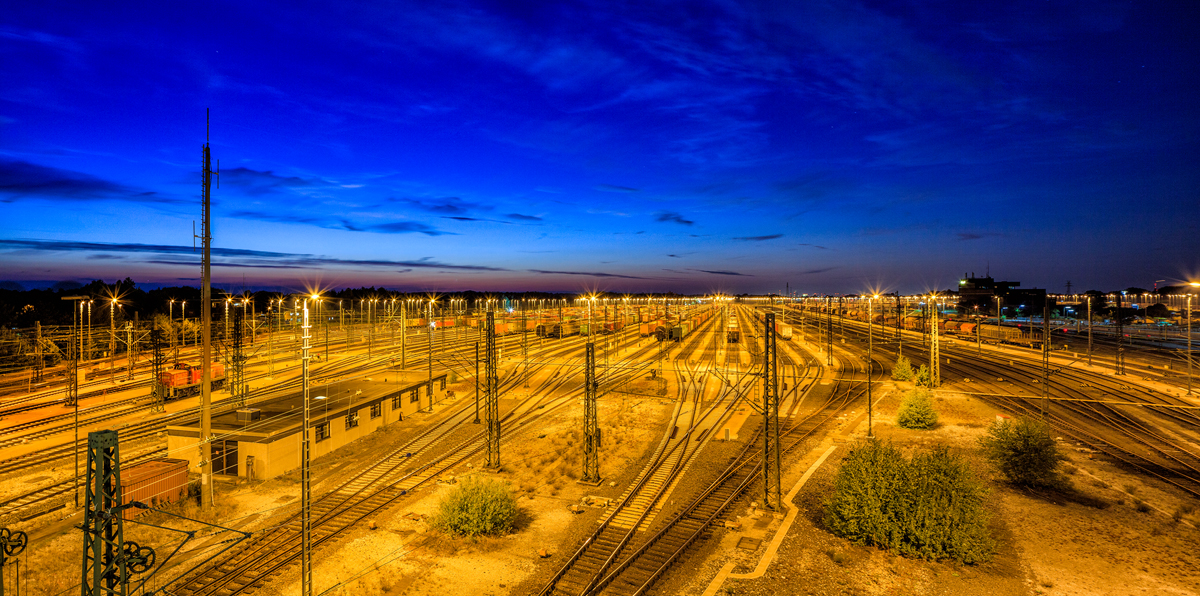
<point x="280" y="454"/>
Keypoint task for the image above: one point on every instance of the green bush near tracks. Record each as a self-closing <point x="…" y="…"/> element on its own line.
<point x="477" y="507"/>
<point x="916" y="410"/>
<point x="1025" y="453"/>
<point x="922" y="377"/>
<point x="903" y="370"/>
<point x="929" y="507"/>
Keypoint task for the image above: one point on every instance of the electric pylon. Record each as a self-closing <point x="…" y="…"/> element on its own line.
<point x="237" y="359"/>
<point x="108" y="560"/>
<point x="1119" y="364"/>
<point x="491" y="396"/>
<point x="158" y="363"/>
<point x="591" y="423"/>
<point x="772" y="497"/>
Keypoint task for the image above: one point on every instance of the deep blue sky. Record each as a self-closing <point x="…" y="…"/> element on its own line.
<point x="663" y="146"/>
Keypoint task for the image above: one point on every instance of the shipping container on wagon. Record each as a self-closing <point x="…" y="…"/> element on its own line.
<point x="783" y="330"/>
<point x="155" y="483"/>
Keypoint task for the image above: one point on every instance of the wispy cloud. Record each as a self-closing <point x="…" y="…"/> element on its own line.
<point x="758" y="238"/>
<point x="975" y="235"/>
<point x="735" y="273"/>
<point x="339" y="223"/>
<point x="443" y="205"/>
<point x="258" y="183"/>
<point x="614" y="188"/>
<point x="671" y="216"/>
<point x="521" y="217"/>
<point x="19" y="179"/>
<point x="245" y="257"/>
<point x="585" y="273"/>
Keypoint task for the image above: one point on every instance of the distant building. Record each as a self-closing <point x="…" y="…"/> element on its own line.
<point x="983" y="291"/>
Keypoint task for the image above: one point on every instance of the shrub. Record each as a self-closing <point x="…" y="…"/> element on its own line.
<point x="929" y="507"/>
<point x="1024" y="453"/>
<point x="903" y="370"/>
<point x="477" y="507"/>
<point x="922" y="377"/>
<point x="916" y="410"/>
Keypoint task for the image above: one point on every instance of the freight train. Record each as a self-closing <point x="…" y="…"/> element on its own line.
<point x="184" y="379"/>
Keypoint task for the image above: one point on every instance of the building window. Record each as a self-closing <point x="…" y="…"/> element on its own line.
<point x="351" y="420"/>
<point x="415" y="396"/>
<point x="322" y="431"/>
<point x="376" y="410"/>
<point x="396" y="402"/>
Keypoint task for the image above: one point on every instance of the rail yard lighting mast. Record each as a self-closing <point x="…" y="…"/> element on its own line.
<point x="870" y="364"/>
<point x="305" y="475"/>
<point x="1193" y="284"/>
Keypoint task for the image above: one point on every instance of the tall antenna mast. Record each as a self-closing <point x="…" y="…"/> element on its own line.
<point x="206" y="174"/>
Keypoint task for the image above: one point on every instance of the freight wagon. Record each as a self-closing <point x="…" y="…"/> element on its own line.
<point x="564" y="329"/>
<point x="784" y="331"/>
<point x="155" y="483"/>
<point x="732" y="334"/>
<point x="184" y="379"/>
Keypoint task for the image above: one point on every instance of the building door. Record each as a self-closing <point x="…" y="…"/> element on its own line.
<point x="225" y="457"/>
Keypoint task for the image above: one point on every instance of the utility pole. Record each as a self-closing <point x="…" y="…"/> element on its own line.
<point x="305" y="472"/>
<point x="206" y="488"/>
<point x="492" y="399"/>
<point x="591" y="425"/>
<point x="1089" y="313"/>
<point x="476" y="382"/>
<point x="772" y="494"/>
<point x="829" y="330"/>
<point x="1119" y="359"/>
<point x="871" y="364"/>
<point x="429" y="324"/>
<point x="1189" y="344"/>
<point x="1045" y="355"/>
<point x="935" y="360"/>
<point x="73" y="384"/>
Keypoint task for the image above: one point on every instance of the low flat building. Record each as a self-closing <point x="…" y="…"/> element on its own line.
<point x="263" y="440"/>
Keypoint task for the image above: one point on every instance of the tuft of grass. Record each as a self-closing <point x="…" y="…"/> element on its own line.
<point x="1141" y="506"/>
<point x="838" y="557"/>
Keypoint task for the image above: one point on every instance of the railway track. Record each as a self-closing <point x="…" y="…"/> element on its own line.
<point x="638" y="570"/>
<point x="375" y="488"/>
<point x="1143" y="430"/>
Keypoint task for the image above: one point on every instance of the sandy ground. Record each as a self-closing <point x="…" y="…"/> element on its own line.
<point x="1126" y="541"/>
<point x="1104" y="545"/>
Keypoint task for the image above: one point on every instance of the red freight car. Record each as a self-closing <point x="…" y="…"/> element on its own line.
<point x="155" y="483"/>
<point x="184" y="379"/>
